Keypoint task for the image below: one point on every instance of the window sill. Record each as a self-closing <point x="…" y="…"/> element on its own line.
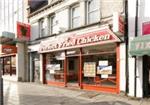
<point x="69" y="30"/>
<point x="84" y="26"/>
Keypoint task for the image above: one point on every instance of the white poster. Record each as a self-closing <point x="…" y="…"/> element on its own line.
<point x="103" y="63"/>
<point x="52" y="71"/>
<point x="57" y="66"/>
<point x="104" y="76"/>
<point x="53" y="67"/>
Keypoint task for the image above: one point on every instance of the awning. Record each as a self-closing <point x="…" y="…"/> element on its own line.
<point x="7" y="38"/>
<point x="140" y="46"/>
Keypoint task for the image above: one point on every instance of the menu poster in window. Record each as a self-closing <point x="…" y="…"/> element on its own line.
<point x="53" y="67"/>
<point x="105" y="70"/>
<point x="89" y="69"/>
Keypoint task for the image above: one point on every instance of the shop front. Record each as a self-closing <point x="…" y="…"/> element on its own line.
<point x="34" y="67"/>
<point x="140" y="47"/>
<point x="8" y="59"/>
<point x="86" y="61"/>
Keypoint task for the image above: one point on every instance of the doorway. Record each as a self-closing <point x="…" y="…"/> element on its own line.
<point x="73" y="72"/>
<point x="146" y="76"/>
<point x="35" y="70"/>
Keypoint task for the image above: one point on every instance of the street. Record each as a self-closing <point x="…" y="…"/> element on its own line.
<point x="16" y="93"/>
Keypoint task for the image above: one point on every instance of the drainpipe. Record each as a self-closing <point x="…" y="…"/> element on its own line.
<point x="126" y="42"/>
<point x="136" y="34"/>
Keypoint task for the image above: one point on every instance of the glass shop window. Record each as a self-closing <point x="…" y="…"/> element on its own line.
<point x="55" y="67"/>
<point x="99" y="69"/>
<point x="7" y="65"/>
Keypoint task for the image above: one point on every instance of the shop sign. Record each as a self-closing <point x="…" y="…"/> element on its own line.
<point x="8" y="49"/>
<point x="23" y="31"/>
<point x="121" y="24"/>
<point x="146" y="28"/>
<point x="142" y="45"/>
<point x="93" y="38"/>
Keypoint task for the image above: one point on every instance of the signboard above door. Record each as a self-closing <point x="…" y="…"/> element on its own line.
<point x="101" y="36"/>
<point x="8" y="49"/>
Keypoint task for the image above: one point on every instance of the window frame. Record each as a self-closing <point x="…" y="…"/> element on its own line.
<point x="71" y="16"/>
<point x="89" y="12"/>
<point x="51" y="26"/>
<point x="41" y="28"/>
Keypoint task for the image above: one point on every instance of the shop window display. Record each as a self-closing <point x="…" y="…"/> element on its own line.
<point x="55" y="67"/>
<point x="99" y="67"/>
<point x="13" y="64"/>
<point x="7" y="66"/>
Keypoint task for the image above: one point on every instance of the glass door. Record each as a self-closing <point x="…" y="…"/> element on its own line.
<point x="73" y="71"/>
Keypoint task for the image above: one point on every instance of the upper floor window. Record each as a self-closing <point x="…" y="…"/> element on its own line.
<point x="75" y="16"/>
<point x="41" y="27"/>
<point x="36" y="4"/>
<point x="52" y="24"/>
<point x="92" y="7"/>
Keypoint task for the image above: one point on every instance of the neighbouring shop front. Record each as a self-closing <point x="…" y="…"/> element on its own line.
<point x="140" y="47"/>
<point x="8" y="59"/>
<point x="34" y="73"/>
<point x="86" y="61"/>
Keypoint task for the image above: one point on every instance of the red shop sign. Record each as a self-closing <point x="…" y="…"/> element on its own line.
<point x="23" y="31"/>
<point x="121" y="24"/>
<point x="146" y="28"/>
<point x="8" y="49"/>
<point x="88" y="39"/>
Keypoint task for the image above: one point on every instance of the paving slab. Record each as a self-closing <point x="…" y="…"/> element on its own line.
<point x="16" y="93"/>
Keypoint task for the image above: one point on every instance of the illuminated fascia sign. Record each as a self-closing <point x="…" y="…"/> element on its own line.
<point x="83" y="40"/>
<point x="23" y="31"/>
<point x="8" y="49"/>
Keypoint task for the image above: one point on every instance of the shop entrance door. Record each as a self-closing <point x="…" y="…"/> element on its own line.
<point x="73" y="72"/>
<point x="146" y="76"/>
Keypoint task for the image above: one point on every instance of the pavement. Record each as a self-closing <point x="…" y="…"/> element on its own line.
<point x="23" y="93"/>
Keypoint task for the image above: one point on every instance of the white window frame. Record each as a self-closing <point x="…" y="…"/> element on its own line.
<point x="71" y="16"/>
<point x="51" y="26"/>
<point x="89" y="12"/>
<point x="41" y="28"/>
